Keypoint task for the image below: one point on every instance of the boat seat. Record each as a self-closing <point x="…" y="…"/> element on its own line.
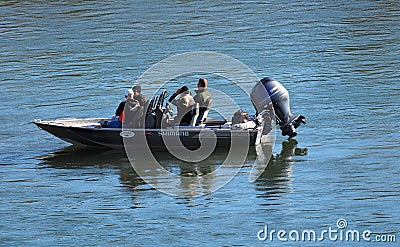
<point x="215" y="122"/>
<point x="200" y="113"/>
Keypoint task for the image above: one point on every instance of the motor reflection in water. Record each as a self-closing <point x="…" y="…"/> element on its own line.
<point x="276" y="178"/>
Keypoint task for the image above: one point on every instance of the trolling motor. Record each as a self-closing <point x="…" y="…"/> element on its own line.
<point x="269" y="93"/>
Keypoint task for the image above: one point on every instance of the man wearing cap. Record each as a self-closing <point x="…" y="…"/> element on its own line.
<point x="137" y="95"/>
<point x="116" y="122"/>
<point x="119" y="112"/>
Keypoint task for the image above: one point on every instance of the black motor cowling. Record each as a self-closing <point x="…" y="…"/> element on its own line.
<point x="269" y="93"/>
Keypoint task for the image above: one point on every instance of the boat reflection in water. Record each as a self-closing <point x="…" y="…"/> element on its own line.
<point x="195" y="178"/>
<point x="276" y="178"/>
<point x="191" y="179"/>
<point x="74" y="157"/>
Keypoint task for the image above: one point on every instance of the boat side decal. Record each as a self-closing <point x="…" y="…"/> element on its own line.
<point x="173" y="133"/>
<point x="127" y="134"/>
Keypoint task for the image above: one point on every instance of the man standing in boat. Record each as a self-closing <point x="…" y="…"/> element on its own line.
<point x="202" y="94"/>
<point x="203" y="101"/>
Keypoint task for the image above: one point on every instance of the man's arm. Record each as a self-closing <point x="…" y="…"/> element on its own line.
<point x="173" y="96"/>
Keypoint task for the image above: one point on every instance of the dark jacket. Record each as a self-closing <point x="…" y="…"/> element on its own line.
<point x="120" y="109"/>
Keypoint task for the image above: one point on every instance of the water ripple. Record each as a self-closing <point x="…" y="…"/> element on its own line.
<point x="340" y="63"/>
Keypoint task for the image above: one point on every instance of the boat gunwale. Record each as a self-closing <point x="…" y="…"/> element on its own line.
<point x="92" y="125"/>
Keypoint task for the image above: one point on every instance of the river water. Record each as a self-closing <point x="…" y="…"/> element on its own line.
<point x="340" y="62"/>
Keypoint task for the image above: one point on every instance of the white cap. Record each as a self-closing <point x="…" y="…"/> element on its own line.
<point x="128" y="91"/>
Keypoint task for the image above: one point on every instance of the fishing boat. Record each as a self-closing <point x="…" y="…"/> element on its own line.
<point x="269" y="97"/>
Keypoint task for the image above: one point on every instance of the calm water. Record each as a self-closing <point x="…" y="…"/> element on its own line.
<point x="339" y="61"/>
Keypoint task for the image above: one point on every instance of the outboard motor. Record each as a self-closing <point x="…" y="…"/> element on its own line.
<point x="269" y="93"/>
